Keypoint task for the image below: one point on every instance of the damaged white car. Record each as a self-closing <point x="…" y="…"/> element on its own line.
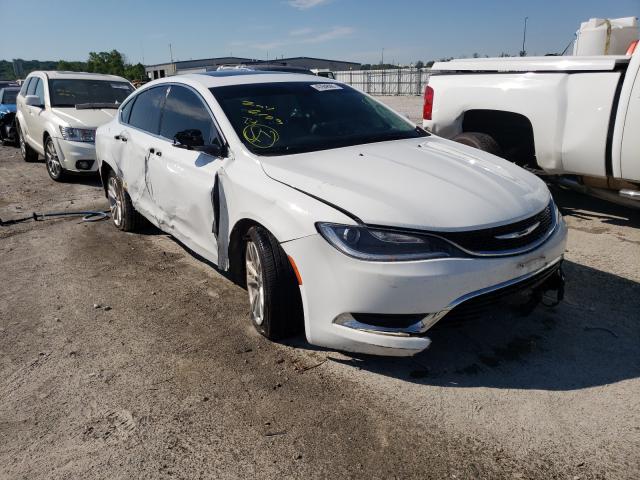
<point x="343" y="218"/>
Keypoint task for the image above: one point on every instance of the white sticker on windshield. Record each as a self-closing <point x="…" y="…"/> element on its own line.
<point x="322" y="87"/>
<point x="123" y="86"/>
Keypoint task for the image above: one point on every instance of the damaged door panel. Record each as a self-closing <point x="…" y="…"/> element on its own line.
<point x="138" y="146"/>
<point x="181" y="176"/>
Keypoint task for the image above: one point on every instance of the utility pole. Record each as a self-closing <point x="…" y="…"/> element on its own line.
<point x="170" y="53"/>
<point x="523" y="52"/>
<point x="382" y="58"/>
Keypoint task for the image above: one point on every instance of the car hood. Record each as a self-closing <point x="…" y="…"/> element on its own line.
<point x="89" y="118"/>
<point x="426" y="183"/>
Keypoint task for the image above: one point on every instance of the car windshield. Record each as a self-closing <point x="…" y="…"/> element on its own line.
<point x="9" y="96"/>
<point x="295" y="117"/>
<point x="69" y="93"/>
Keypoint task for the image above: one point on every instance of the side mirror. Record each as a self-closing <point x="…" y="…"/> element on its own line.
<point x="188" y="138"/>
<point x="192" y="140"/>
<point x="33" y="101"/>
<point x="214" y="150"/>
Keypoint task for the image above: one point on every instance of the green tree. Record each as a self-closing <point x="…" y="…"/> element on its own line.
<point x="72" y="66"/>
<point x="135" y="72"/>
<point x="419" y="64"/>
<point x="112" y="62"/>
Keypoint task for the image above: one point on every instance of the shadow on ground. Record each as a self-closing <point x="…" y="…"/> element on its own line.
<point x="591" y="339"/>
<point x="574" y="204"/>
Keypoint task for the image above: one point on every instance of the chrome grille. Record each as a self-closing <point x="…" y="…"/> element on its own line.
<point x="506" y="239"/>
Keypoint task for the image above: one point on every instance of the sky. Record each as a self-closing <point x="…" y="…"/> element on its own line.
<point x="354" y="30"/>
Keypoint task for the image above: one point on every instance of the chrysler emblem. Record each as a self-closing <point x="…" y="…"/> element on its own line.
<point x="520" y="234"/>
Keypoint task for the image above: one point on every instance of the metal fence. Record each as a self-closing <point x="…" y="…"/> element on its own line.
<point x="401" y="81"/>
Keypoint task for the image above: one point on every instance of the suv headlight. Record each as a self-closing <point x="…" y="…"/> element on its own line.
<point x="382" y="245"/>
<point x="78" y="134"/>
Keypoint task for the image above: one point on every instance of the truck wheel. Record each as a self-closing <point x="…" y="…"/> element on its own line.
<point x="274" y="297"/>
<point x="28" y="153"/>
<point x="481" y="141"/>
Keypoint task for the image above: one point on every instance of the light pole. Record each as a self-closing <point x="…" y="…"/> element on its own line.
<point x="523" y="52"/>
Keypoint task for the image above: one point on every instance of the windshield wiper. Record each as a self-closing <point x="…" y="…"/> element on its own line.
<point x="88" y="106"/>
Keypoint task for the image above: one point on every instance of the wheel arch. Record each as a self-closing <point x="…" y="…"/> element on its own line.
<point x="512" y="131"/>
<point x="236" y="247"/>
<point x="104" y="171"/>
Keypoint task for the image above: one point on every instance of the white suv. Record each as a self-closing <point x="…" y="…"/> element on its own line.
<point x="58" y="113"/>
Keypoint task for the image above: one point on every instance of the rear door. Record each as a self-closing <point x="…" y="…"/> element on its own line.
<point x="139" y="138"/>
<point x="32" y="114"/>
<point x="181" y="180"/>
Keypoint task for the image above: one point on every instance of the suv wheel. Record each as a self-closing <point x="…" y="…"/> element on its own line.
<point x="28" y="153"/>
<point x="54" y="168"/>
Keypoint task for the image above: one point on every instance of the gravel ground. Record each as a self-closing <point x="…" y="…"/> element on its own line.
<point x="410" y="106"/>
<point x="123" y="356"/>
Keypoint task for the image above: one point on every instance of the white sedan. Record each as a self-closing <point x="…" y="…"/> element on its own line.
<point x="344" y="219"/>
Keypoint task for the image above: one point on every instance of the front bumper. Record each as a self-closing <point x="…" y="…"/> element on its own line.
<point x="336" y="286"/>
<point x="71" y="154"/>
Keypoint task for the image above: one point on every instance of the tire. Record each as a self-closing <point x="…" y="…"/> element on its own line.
<point x="123" y="215"/>
<point x="481" y="141"/>
<point x="52" y="161"/>
<point x="274" y="296"/>
<point x="28" y="153"/>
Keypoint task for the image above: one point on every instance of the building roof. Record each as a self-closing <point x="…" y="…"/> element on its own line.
<point x="203" y="61"/>
<point x="222" y="60"/>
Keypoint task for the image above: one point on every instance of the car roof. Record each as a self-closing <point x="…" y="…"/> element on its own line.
<point x="223" y="78"/>
<point x="57" y="74"/>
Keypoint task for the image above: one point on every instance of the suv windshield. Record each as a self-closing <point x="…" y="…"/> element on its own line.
<point x="69" y="93"/>
<point x="295" y="117"/>
<point x="9" y="95"/>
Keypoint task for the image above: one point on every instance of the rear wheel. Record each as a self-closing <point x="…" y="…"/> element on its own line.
<point x="123" y="215"/>
<point x="28" y="153"/>
<point x="54" y="167"/>
<point x="481" y="141"/>
<point x="274" y="296"/>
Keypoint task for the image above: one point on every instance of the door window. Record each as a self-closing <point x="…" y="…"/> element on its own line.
<point x="126" y="111"/>
<point x="184" y="110"/>
<point x="145" y="113"/>
<point x="25" y="86"/>
<point x="32" y="86"/>
<point x="39" y="91"/>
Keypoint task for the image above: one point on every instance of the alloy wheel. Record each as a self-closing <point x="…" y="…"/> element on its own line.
<point x="53" y="162"/>
<point x="255" y="283"/>
<point x="23" y="147"/>
<point x="115" y="203"/>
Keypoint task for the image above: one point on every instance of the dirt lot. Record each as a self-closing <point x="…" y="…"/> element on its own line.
<point x="122" y="356"/>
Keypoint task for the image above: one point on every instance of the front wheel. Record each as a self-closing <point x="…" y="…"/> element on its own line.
<point x="481" y="141"/>
<point x="54" y="167"/>
<point x="274" y="296"/>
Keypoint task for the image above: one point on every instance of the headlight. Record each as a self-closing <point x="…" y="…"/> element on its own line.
<point x="78" y="134"/>
<point x="383" y="245"/>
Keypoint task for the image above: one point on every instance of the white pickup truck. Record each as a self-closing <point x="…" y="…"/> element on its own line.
<point x="575" y="118"/>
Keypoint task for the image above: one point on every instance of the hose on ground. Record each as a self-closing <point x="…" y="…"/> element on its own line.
<point x="87" y="216"/>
